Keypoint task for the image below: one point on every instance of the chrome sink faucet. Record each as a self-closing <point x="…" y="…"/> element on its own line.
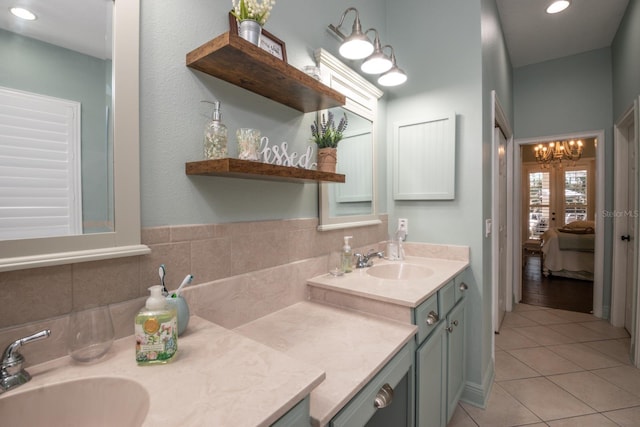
<point x="11" y="372"/>
<point x="363" y="261"/>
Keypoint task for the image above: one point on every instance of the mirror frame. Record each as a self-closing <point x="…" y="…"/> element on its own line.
<point x="362" y="99"/>
<point x="125" y="239"/>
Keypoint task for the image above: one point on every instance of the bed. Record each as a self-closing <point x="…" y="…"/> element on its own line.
<point x="568" y="251"/>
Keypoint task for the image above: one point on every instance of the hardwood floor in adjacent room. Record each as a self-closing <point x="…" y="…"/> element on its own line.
<point x="554" y="291"/>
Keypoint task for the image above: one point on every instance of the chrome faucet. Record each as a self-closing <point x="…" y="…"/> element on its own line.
<point x="363" y="261"/>
<point x="11" y="372"/>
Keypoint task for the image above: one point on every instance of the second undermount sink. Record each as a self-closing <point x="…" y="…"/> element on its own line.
<point x="401" y="271"/>
<point x="86" y="402"/>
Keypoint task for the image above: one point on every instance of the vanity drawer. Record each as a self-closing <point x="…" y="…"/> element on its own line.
<point x="427" y="317"/>
<point x="362" y="407"/>
<point x="447" y="298"/>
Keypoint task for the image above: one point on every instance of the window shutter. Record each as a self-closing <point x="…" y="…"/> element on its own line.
<point x="40" y="184"/>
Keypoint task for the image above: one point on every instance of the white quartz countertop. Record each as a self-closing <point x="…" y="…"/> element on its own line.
<point x="219" y="378"/>
<point x="408" y="293"/>
<point x="350" y="347"/>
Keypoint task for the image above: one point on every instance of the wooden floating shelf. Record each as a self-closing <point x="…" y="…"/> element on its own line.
<point x="247" y="169"/>
<point x="235" y="60"/>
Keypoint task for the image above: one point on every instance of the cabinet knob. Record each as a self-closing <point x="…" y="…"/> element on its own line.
<point x="384" y="397"/>
<point x="450" y="329"/>
<point x="463" y="287"/>
<point x="432" y="318"/>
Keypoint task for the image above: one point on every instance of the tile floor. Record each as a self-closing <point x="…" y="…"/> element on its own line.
<point x="560" y="369"/>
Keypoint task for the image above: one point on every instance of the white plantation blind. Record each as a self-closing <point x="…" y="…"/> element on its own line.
<point x="40" y="185"/>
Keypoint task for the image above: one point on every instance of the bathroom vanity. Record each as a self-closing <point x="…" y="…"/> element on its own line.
<point x="427" y="289"/>
<point x="380" y="346"/>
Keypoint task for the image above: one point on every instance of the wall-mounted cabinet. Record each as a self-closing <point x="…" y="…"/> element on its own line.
<point x="233" y="59"/>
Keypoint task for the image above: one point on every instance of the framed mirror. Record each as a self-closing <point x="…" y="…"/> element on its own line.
<point x="353" y="203"/>
<point x="114" y="173"/>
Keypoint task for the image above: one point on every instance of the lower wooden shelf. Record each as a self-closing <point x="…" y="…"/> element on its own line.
<point x="247" y="169"/>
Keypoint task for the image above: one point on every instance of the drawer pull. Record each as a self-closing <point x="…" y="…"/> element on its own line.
<point x="463" y="287"/>
<point x="432" y="318"/>
<point x="384" y="397"/>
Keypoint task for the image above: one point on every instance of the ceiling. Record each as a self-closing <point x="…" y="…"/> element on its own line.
<point x="83" y="26"/>
<point x="534" y="36"/>
<point x="531" y="34"/>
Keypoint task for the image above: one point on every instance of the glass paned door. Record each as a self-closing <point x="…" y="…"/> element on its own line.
<point x="539" y="203"/>
<point x="575" y="195"/>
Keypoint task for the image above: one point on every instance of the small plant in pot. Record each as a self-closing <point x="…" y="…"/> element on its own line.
<point x="327" y="136"/>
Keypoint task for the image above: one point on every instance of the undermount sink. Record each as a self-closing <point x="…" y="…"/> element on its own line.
<point x="401" y="271"/>
<point x="86" y="402"/>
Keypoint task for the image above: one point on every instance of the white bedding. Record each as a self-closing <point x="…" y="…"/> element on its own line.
<point x="574" y="264"/>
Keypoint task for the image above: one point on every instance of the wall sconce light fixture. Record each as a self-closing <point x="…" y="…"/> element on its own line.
<point x="395" y="76"/>
<point x="377" y="62"/>
<point x="358" y="46"/>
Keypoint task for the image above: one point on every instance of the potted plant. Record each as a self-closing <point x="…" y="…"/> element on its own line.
<point x="251" y="16"/>
<point x="327" y="136"/>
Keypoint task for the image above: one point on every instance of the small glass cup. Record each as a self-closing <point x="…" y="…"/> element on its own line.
<point x="248" y="144"/>
<point x="89" y="334"/>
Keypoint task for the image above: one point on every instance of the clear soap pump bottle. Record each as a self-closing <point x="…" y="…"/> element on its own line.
<point x="346" y="256"/>
<point x="215" y="135"/>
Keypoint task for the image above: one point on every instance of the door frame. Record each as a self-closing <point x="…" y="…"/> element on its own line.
<point x="516" y="207"/>
<point x="618" y="290"/>
<point x="499" y="119"/>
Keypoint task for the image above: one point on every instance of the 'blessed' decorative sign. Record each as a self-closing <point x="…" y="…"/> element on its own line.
<point x="279" y="155"/>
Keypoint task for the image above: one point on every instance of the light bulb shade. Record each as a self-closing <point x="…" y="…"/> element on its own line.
<point x="393" y="77"/>
<point x="376" y="63"/>
<point x="356" y="46"/>
<point x="558" y="6"/>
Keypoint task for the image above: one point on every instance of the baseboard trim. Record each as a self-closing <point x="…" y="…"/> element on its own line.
<point x="478" y="394"/>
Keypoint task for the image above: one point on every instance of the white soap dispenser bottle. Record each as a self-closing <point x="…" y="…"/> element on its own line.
<point x="346" y="256"/>
<point x="215" y="135"/>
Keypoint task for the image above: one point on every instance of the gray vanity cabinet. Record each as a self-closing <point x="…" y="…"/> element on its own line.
<point x="440" y="357"/>
<point x="387" y="400"/>
<point x="298" y="416"/>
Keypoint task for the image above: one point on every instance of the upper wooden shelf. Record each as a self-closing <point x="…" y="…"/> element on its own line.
<point x="237" y="168"/>
<point x="235" y="60"/>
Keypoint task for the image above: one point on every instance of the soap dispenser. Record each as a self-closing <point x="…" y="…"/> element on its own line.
<point x="156" y="330"/>
<point x="346" y="257"/>
<point x="215" y="135"/>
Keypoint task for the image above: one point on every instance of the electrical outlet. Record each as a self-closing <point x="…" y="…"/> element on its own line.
<point x="403" y="225"/>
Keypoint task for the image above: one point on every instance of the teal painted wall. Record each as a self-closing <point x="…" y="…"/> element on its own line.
<point x="626" y="60"/>
<point x="33" y="66"/>
<point x="571" y="94"/>
<point x="496" y="75"/>
<point x="460" y="59"/>
<point x="173" y="118"/>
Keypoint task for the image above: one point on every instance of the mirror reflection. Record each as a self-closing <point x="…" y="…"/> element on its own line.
<point x="353" y="203"/>
<point x="56" y="120"/>
<point x="355" y="160"/>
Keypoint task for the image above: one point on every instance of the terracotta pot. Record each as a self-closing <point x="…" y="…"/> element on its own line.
<point x="327" y="159"/>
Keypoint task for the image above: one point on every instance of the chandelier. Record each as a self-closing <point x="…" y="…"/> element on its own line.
<point x="557" y="151"/>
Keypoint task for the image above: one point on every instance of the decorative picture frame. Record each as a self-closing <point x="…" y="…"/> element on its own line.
<point x="268" y="42"/>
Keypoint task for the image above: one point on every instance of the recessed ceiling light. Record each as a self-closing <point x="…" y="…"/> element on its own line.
<point x="23" y="13"/>
<point x="558" y="6"/>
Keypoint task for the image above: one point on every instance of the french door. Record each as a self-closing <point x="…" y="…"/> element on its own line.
<point x="555" y="196"/>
